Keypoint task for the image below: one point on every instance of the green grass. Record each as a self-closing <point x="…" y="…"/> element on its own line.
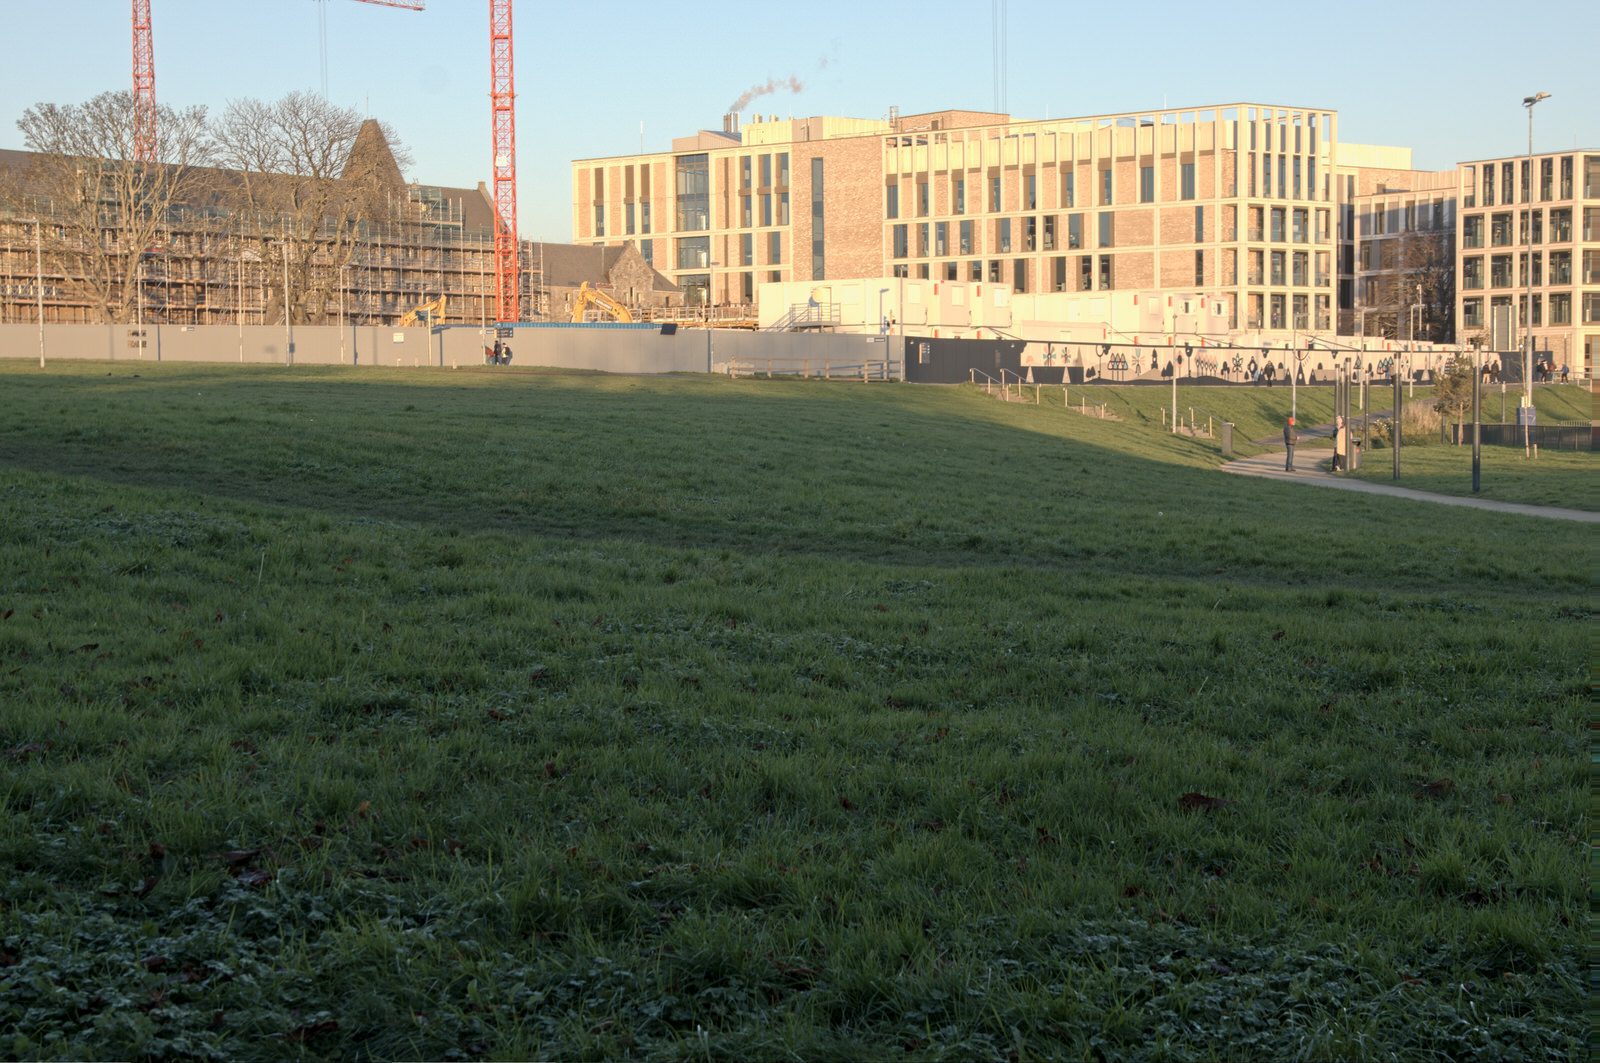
<point x="426" y="715"/>
<point x="1556" y="478"/>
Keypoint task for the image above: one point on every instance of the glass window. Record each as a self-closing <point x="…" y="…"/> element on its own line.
<point x="922" y="199"/>
<point x="1031" y="192"/>
<point x="1049" y="232"/>
<point x="1105" y="187"/>
<point x="1472" y="273"/>
<point x="1147" y="184"/>
<point x="1298" y="225"/>
<point x="1561" y="226"/>
<point x="994" y="271"/>
<point x="766" y="209"/>
<point x="1200" y="267"/>
<point x="1472" y="313"/>
<point x="1005" y="235"/>
<point x="941" y="239"/>
<point x="1591" y="308"/>
<point x="891" y="207"/>
<point x="1030" y="234"/>
<point x="766" y="171"/>
<point x="901" y="242"/>
<point x="1277" y="267"/>
<point x="817" y="247"/>
<point x="1186" y="180"/>
<point x="1278" y="215"/>
<point x="744" y="172"/>
<point x="1560" y="267"/>
<point x="966" y="238"/>
<point x="922" y="240"/>
<point x="1074" y="231"/>
<point x="1566" y="178"/>
<point x="747" y="249"/>
<point x="976" y="270"/>
<point x="1500" y="271"/>
<point x="1019" y="275"/>
<point x="1560" y="308"/>
<point x="694" y="193"/>
<point x="694" y="252"/>
<point x="1199" y="225"/>
<point x="1106" y="228"/>
<point x="783" y="169"/>
<point x="783" y="208"/>
<point x="1105" y="273"/>
<point x="774" y="248"/>
<point x="1500" y="230"/>
<point x="959" y="195"/>
<point x="994" y="194"/>
<point x="1472" y="231"/>
<point x="1068" y="188"/>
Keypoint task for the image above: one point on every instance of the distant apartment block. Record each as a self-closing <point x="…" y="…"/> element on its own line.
<point x="1405" y="266"/>
<point x="1538" y="224"/>
<point x="1237" y="201"/>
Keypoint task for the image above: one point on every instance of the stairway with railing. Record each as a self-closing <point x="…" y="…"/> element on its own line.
<point x="804" y="316"/>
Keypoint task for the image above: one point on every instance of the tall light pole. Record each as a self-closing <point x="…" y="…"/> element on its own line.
<point x="288" y="329"/>
<point x="1527" y="359"/>
<point x="341" y="311"/>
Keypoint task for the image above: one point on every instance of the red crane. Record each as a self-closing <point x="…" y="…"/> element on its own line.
<point x="144" y="84"/>
<point x="503" y="97"/>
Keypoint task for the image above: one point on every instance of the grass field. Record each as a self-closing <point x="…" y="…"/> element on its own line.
<point x="426" y="715"/>
<point x="1556" y="478"/>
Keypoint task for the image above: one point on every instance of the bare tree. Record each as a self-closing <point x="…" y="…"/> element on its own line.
<point x="295" y="178"/>
<point x="103" y="209"/>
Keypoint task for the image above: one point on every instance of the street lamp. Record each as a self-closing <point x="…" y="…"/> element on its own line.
<point x="38" y="280"/>
<point x="342" y="286"/>
<point x="1527" y="359"/>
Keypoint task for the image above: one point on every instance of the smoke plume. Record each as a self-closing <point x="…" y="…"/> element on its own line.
<point x="792" y="83"/>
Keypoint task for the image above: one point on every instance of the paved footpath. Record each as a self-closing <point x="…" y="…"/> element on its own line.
<point x="1310" y="468"/>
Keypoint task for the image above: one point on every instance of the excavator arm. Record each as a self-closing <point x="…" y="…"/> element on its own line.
<point x="431" y="313"/>
<point x="594" y="299"/>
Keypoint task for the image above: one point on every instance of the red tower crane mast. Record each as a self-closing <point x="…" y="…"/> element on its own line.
<point x="144" y="84"/>
<point x="503" y="96"/>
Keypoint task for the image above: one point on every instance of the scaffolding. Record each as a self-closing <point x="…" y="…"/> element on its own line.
<point x="212" y="266"/>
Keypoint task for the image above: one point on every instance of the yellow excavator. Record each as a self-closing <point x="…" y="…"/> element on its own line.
<point x="593" y="300"/>
<point x="430" y="313"/>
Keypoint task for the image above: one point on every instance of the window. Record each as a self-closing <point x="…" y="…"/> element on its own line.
<point x="627" y="219"/>
<point x="1049" y="232"/>
<point x="1019" y="275"/>
<point x="1277" y="267"/>
<point x="1591" y="225"/>
<point x="941" y="239"/>
<point x="1472" y="273"/>
<point x="1031" y="192"/>
<point x="1527" y="181"/>
<point x="1105" y="273"/>
<point x="1488" y="186"/>
<point x="1561" y="226"/>
<point x="1277" y="312"/>
<point x="1085" y="273"/>
<point x="774" y="248"/>
<point x="1500" y="271"/>
<point x="644" y="216"/>
<point x="747" y="249"/>
<point x="783" y="170"/>
<point x="922" y="199"/>
<point x="901" y="242"/>
<point x="1058" y="273"/>
<point x="1561" y="308"/>
<point x="1547" y="178"/>
<point x="783" y="208"/>
<point x="994" y="194"/>
<point x="747" y="216"/>
<point x="1561" y="267"/>
<point x="1297" y="191"/>
<point x="994" y="271"/>
<point x="766" y="171"/>
<point x="1186" y="180"/>
<point x="1298" y="225"/>
<point x="817" y="246"/>
<point x="747" y="287"/>
<point x="1105" y="228"/>
<point x="1566" y="178"/>
<point x="1472" y="313"/>
<point x="1469" y="197"/>
<point x="1591" y="176"/>
<point x="1030" y="234"/>
<point x="1199" y="267"/>
<point x="744" y="172"/>
<point x="1302" y="269"/>
<point x="1591" y="267"/>
<point x="1199" y="225"/>
<point x="1266" y="175"/>
<point x="694" y="193"/>
<point x="1074" y="231"/>
<point x="1508" y="189"/>
<point x="952" y="271"/>
<point x="922" y="240"/>
<point x="976" y="272"/>
<point x="1472" y="231"/>
<point x="766" y="209"/>
<point x="1591" y="308"/>
<point x="1500" y="230"/>
<point x="1277" y="225"/>
<point x="649" y="249"/>
<point x="1147" y="184"/>
<point x="891" y="207"/>
<point x="966" y="238"/>
<point x="959" y="196"/>
<point x="1068" y="188"/>
<point x="694" y="252"/>
<point x="599" y="219"/>
<point x="1005" y="235"/>
<point x="1301" y="308"/>
<point x="1105" y="187"/>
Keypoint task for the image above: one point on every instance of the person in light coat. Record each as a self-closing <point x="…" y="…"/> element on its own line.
<point x="1341" y="445"/>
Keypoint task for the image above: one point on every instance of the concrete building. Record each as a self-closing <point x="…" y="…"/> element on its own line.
<point x="1540" y="225"/>
<point x="1235" y="203"/>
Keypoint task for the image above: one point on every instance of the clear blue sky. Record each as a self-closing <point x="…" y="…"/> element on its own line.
<point x="1439" y="78"/>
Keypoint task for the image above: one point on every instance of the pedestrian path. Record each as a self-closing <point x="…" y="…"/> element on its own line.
<point x="1310" y="470"/>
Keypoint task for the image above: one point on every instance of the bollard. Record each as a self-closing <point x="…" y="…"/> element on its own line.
<point x="1227" y="438"/>
<point x="1036" y="389"/>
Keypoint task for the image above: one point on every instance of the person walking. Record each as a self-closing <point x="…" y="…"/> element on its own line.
<point x="1341" y="444"/>
<point x="1290" y="438"/>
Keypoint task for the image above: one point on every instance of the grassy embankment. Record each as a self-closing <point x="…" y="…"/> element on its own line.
<point x="416" y="715"/>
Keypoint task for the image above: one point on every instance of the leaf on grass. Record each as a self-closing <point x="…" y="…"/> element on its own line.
<point x="158" y="851"/>
<point x="154" y="963"/>
<point x="452" y="846"/>
<point x="147" y="887"/>
<point x="88" y="647"/>
<point x="1045" y="837"/>
<point x="846" y="804"/>
<point x="499" y="714"/>
<point x="313" y="1029"/>
<point x="363" y="810"/>
<point x="1503" y="799"/>
<point x="255" y="879"/>
<point x="28" y="750"/>
<point x="1277" y="636"/>
<point x="8" y="614"/>
<point x="540" y="672"/>
<point x="238" y="857"/>
<point x="1436" y="789"/>
<point x="1198" y="802"/>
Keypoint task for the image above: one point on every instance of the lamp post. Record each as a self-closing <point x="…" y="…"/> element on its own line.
<point x="342" y="285"/>
<point x="288" y="329"/>
<point x="1477" y="389"/>
<point x="1527" y="359"/>
<point x="38" y="281"/>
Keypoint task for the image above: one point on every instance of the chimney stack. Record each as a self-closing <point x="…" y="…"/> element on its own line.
<point x="730" y="122"/>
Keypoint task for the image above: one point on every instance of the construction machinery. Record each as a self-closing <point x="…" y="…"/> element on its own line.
<point x="594" y="301"/>
<point x="430" y="313"/>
